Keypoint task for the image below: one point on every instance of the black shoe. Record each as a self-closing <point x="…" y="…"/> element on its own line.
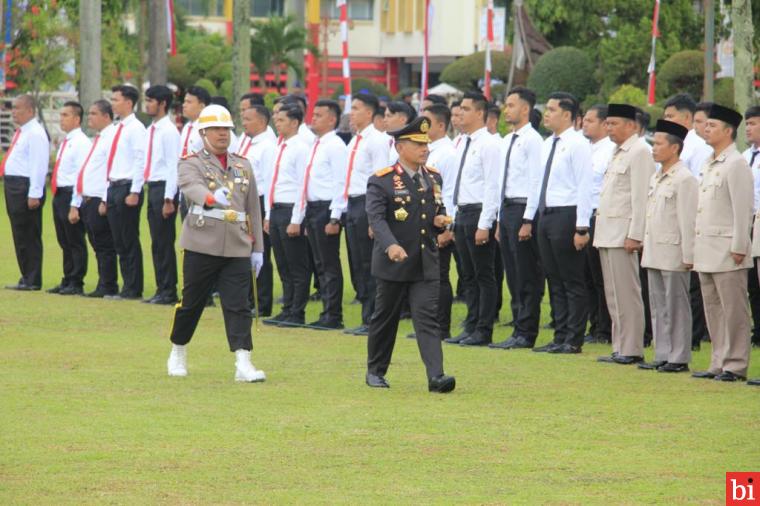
<point x="458" y="338"/>
<point x="22" y="287"/>
<point x="607" y="359"/>
<point x="280" y="317"/>
<point x="476" y="339"/>
<point x="510" y="323"/>
<point x="72" y="290"/>
<point x="729" y="376"/>
<point x="412" y="335"/>
<point x="695" y="347"/>
<point x="673" y="367"/>
<point x="651" y="366"/>
<point x="627" y="360"/>
<point x="55" y="290"/>
<point x="97" y="294"/>
<point x="565" y="349"/>
<point x="165" y="300"/>
<point x="291" y="321"/>
<point x="326" y="325"/>
<point x="375" y="381"/>
<point x="754" y="382"/>
<point x="703" y="375"/>
<point x="442" y="384"/>
<point x="129" y="296"/>
<point x="405" y="315"/>
<point x="547" y="347"/>
<point x="513" y="343"/>
<point x="150" y="301"/>
<point x="362" y="330"/>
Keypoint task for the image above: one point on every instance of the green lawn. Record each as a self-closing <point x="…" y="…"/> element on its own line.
<point x="88" y="415"/>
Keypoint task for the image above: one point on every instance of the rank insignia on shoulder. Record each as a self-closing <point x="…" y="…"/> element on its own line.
<point x="431" y="169"/>
<point x="189" y="155"/>
<point x="383" y="172"/>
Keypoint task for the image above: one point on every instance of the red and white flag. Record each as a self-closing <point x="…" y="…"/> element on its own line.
<point x="171" y="32"/>
<point x="342" y="5"/>
<point x="489" y="42"/>
<point x="653" y="58"/>
<point x="426" y="54"/>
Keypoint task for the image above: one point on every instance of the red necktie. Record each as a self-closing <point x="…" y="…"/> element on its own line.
<point x="54" y="177"/>
<point x="308" y="173"/>
<point x="247" y="147"/>
<point x="351" y="165"/>
<point x="114" y="146"/>
<point x="8" y="153"/>
<point x="459" y="139"/>
<point x="80" y="177"/>
<point x="187" y="138"/>
<point x="276" y="172"/>
<point x="146" y="173"/>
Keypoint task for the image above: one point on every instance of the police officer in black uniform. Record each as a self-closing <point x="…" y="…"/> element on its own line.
<point x="406" y="214"/>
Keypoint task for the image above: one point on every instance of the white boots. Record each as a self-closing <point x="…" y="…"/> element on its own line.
<point x="244" y="369"/>
<point x="177" y="363"/>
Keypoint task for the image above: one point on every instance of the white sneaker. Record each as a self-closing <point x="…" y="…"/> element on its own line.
<point x="244" y="369"/>
<point x="177" y="363"/>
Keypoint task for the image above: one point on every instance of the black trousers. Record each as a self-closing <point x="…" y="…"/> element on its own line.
<point x="326" y="251"/>
<point x="99" y="234"/>
<point x="478" y="274"/>
<point x="423" y="301"/>
<point x="351" y="260"/>
<point x="163" y="233"/>
<point x="445" y="290"/>
<point x="26" y="228"/>
<point x="265" y="281"/>
<point x="232" y="277"/>
<point x="357" y="233"/>
<point x="528" y="279"/>
<point x="753" y="287"/>
<point x="699" y="330"/>
<point x="644" y="277"/>
<point x="292" y="259"/>
<point x="599" y="315"/>
<point x="125" y="227"/>
<point x="498" y="271"/>
<point x="564" y="267"/>
<point x="70" y="239"/>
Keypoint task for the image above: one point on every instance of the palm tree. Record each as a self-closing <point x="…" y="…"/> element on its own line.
<point x="277" y="41"/>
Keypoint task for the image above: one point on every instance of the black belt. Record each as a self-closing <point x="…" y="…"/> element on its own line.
<point x="120" y="182"/>
<point x="16" y="178"/>
<point x="469" y="208"/>
<point x="64" y="189"/>
<point x="356" y="198"/>
<point x="153" y="184"/>
<point x="517" y="201"/>
<point x="319" y="203"/>
<point x="559" y="209"/>
<point x="282" y="205"/>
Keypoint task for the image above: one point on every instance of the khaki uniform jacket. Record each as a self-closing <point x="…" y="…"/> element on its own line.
<point x="756" y="235"/>
<point x="623" y="199"/>
<point x="724" y="213"/>
<point x="201" y="174"/>
<point x="671" y="217"/>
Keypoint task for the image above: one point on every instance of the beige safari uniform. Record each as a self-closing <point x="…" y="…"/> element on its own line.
<point x="723" y="225"/>
<point x="668" y="248"/>
<point x="621" y="215"/>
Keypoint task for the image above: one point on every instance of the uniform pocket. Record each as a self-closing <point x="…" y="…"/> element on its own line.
<point x="668" y="238"/>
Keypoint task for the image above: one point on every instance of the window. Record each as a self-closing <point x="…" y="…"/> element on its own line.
<point x="204" y="8"/>
<point x="357" y="9"/>
<point x="266" y="8"/>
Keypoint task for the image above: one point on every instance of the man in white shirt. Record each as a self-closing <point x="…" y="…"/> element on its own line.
<point x="752" y="155"/>
<point x="321" y="186"/>
<point x="161" y="159"/>
<point x="367" y="153"/>
<point x="560" y="203"/>
<point x="88" y="202"/>
<point x="24" y="168"/>
<point x="520" y="158"/>
<point x="398" y="114"/>
<point x="282" y="221"/>
<point x="602" y="148"/>
<point x="476" y="202"/>
<point x="701" y="116"/>
<point x="249" y="100"/>
<point x="196" y="98"/>
<point x="492" y="121"/>
<point x="71" y="155"/>
<point x="125" y="171"/>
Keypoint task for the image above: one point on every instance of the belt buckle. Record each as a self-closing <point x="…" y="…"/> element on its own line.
<point x="230" y="215"/>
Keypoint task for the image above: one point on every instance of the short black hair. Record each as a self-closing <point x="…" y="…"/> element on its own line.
<point x="104" y="106"/>
<point x="127" y="91"/>
<point x="567" y="102"/>
<point x="525" y="94"/>
<point x="380" y="111"/>
<point x="162" y="94"/>
<point x="435" y="99"/>
<point x="441" y="113"/>
<point x="752" y="112"/>
<point x="600" y="109"/>
<point x="535" y="119"/>
<point x="399" y="107"/>
<point x="682" y="102"/>
<point x="292" y="111"/>
<point x="201" y="93"/>
<point x="298" y="100"/>
<point x="261" y="111"/>
<point x="674" y="139"/>
<point x="253" y="98"/>
<point x="478" y="100"/>
<point x="333" y="107"/>
<point x="220" y="100"/>
<point x="456" y="103"/>
<point x="367" y="99"/>
<point x="494" y="110"/>
<point x="643" y="118"/>
<point x="76" y="107"/>
<point x="705" y="107"/>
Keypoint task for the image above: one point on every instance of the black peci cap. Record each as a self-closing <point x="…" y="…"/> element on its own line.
<point x="668" y="127"/>
<point x="621" y="111"/>
<point x="726" y="115"/>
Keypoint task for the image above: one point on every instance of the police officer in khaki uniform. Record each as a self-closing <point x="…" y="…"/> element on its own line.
<point x="668" y="251"/>
<point x="620" y="231"/>
<point x="222" y="239"/>
<point x="722" y="247"/>
<point x="406" y="212"/>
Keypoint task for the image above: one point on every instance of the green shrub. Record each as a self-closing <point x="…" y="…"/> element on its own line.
<point x="629" y="94"/>
<point x="465" y="72"/>
<point x="683" y="72"/>
<point x="563" y="69"/>
<point x="210" y="87"/>
<point x="724" y="92"/>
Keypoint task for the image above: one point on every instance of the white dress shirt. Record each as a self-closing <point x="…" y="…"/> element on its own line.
<point x="477" y="183"/>
<point x="190" y="139"/>
<point x="524" y="162"/>
<point x="392" y="153"/>
<point x="755" y="166"/>
<point x="129" y="157"/>
<point x="94" y="181"/>
<point x="695" y="153"/>
<point x="443" y="158"/>
<point x="287" y="180"/>
<point x="570" y="179"/>
<point x="164" y="156"/>
<point x="601" y="154"/>
<point x="30" y="157"/>
<point x="307" y="136"/>
<point x="260" y="151"/>
<point x="71" y="157"/>
<point x="370" y="154"/>
<point x="271" y="135"/>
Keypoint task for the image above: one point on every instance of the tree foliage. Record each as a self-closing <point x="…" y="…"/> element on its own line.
<point x="279" y="41"/>
<point x="683" y="72"/>
<point x="563" y="69"/>
<point x="465" y="72"/>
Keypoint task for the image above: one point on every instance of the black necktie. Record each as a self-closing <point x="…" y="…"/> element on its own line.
<point x="506" y="167"/>
<point x="418" y="181"/>
<point x="459" y="174"/>
<point x="544" y="183"/>
<point x="752" y="160"/>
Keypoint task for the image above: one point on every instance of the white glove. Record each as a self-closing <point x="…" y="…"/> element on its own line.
<point x="257" y="262"/>
<point x="220" y="196"/>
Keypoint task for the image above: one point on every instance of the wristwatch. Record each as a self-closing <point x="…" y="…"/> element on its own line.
<point x="581" y="231"/>
<point x="334" y="221"/>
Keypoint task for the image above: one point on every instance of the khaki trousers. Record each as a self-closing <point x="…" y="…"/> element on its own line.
<point x="622" y="287"/>
<point x="671" y="315"/>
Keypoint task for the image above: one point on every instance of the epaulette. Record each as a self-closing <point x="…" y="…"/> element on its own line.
<point x="189" y="155"/>
<point x="383" y="172"/>
<point x="431" y="169"/>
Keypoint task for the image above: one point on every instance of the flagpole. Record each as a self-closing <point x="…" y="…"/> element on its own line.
<point x="170" y="28"/>
<point x="342" y="5"/>
<point x="426" y="55"/>
<point x="652" y="58"/>
<point x="489" y="41"/>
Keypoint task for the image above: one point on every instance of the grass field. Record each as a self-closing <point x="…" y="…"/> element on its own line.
<point x="88" y="416"/>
